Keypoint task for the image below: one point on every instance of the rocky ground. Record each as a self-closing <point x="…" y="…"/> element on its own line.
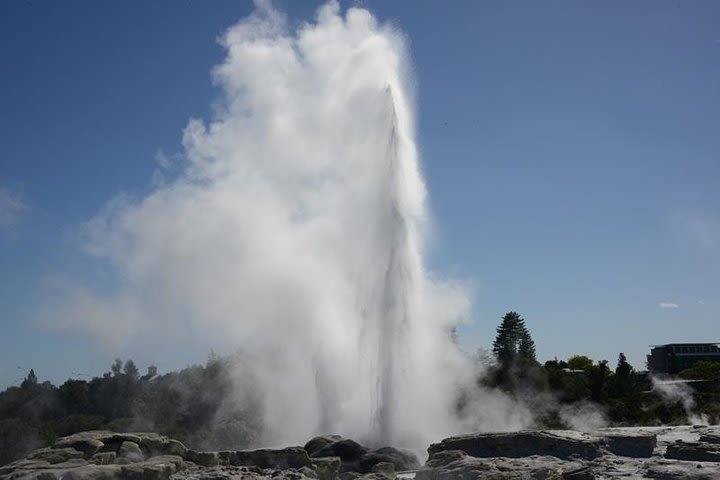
<point x="657" y="452"/>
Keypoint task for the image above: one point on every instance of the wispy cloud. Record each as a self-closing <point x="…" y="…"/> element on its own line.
<point x="11" y="207"/>
<point x="668" y="305"/>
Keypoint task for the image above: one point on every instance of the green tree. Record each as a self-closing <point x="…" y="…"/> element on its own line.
<point x="131" y="370"/>
<point x="30" y="380"/>
<point x="116" y="367"/>
<point x="513" y="341"/>
<point x="623" y="382"/>
<point x="580" y="362"/>
<point x="623" y="369"/>
<point x="599" y="375"/>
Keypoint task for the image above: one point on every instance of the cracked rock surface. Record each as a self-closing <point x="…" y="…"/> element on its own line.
<point x="636" y="452"/>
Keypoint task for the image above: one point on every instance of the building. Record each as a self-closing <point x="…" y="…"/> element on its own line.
<point x="674" y="357"/>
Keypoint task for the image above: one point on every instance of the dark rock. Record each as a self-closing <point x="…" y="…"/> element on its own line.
<point x="348" y="450"/>
<point x="358" y="458"/>
<point x="400" y="459"/>
<point x="349" y="475"/>
<point x="291" y="457"/>
<point x="694" y="451"/>
<point x="713" y="437"/>
<point x="521" y="444"/>
<point x="206" y="459"/>
<point x="631" y="445"/>
<point x="320" y="442"/>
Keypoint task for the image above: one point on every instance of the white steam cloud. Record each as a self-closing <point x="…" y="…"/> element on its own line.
<point x="679" y="391"/>
<point x="295" y="231"/>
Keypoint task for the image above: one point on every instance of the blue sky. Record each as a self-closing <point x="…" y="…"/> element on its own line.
<point x="571" y="152"/>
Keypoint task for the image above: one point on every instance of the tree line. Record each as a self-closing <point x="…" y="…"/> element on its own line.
<point x="623" y="395"/>
<point x="198" y="405"/>
<point x="195" y="405"/>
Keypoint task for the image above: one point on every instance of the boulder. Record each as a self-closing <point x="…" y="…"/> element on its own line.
<point x="291" y="457"/>
<point x="153" y="444"/>
<point x="88" y="446"/>
<point x="694" y="451"/>
<point x="358" y="458"/>
<point x="400" y="459"/>
<point x="327" y="468"/>
<point x="130" y="451"/>
<point x="522" y="444"/>
<point x="348" y="450"/>
<point x="386" y="469"/>
<point x="55" y="455"/>
<point x="456" y="464"/>
<point x="631" y="444"/>
<point x="318" y="443"/>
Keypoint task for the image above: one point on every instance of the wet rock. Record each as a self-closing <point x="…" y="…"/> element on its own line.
<point x="694" y="451"/>
<point x="522" y="444"/>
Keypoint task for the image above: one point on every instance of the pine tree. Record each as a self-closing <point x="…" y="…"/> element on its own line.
<point x="513" y="341"/>
<point x="30" y="380"/>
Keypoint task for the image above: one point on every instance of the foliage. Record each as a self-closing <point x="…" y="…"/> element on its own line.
<point x="194" y="405"/>
<point x="513" y="342"/>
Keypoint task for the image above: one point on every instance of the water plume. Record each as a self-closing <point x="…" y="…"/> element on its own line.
<point x="295" y="231"/>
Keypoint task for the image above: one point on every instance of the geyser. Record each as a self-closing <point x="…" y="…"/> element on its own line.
<point x="295" y="232"/>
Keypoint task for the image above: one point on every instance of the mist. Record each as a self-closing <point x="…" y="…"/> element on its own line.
<point x="296" y="231"/>
<point x="680" y="391"/>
